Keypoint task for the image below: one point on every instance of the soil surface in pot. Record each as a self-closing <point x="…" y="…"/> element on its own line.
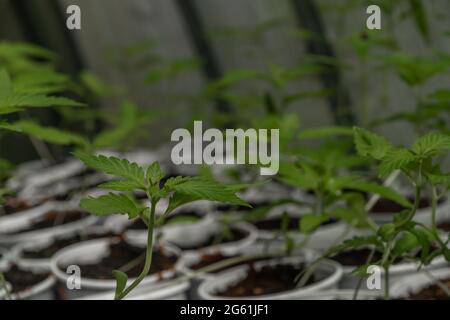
<point x="432" y="292"/>
<point x="267" y="280"/>
<point x="60" y="243"/>
<point x="386" y="206"/>
<point x="129" y="259"/>
<point x="274" y="224"/>
<point x="216" y="239"/>
<point x="52" y="219"/>
<point x="15" y="205"/>
<point x="22" y="280"/>
<point x="445" y="226"/>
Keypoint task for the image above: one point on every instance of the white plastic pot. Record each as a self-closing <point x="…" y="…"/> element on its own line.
<point x="199" y="235"/>
<point x="22" y="171"/>
<point x="4" y="258"/>
<point x="90" y="252"/>
<point x="416" y="282"/>
<point x="40" y="291"/>
<point x="66" y="187"/>
<point x="52" y="174"/>
<point x="330" y="272"/>
<point x="396" y="272"/>
<point x="344" y="295"/>
<point x="22" y="220"/>
<point x="190" y="258"/>
<point x="321" y="239"/>
<point x="422" y="215"/>
<point x="166" y="290"/>
<point x="44" y="263"/>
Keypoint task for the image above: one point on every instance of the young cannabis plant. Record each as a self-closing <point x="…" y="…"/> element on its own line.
<point x="402" y="236"/>
<point x="329" y="172"/>
<point x="180" y="190"/>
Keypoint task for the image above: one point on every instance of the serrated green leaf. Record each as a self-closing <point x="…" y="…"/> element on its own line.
<point x="112" y="204"/>
<point x="121" y="282"/>
<point x="19" y="100"/>
<point x="396" y="158"/>
<point x="370" y="144"/>
<point x="173" y="181"/>
<point x="122" y="185"/>
<point x="357" y="242"/>
<point x="432" y="144"/>
<point x="154" y="173"/>
<point x="46" y="134"/>
<point x="203" y="189"/>
<point x="177" y="200"/>
<point x="371" y="187"/>
<point x="115" y="166"/>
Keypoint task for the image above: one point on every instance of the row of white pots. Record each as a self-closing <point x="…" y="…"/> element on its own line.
<point x="39" y="174"/>
<point x="397" y="272"/>
<point x="11" y="225"/>
<point x="86" y="251"/>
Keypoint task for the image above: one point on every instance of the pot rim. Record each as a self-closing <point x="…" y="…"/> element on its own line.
<point x="204" y="290"/>
<point x="416" y="282"/>
<point x="98" y="245"/>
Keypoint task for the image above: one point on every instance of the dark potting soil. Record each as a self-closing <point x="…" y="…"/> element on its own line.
<point x="15" y="205"/>
<point x="445" y="226"/>
<point x="276" y="223"/>
<point x="138" y="224"/>
<point x="58" y="244"/>
<point x="386" y="206"/>
<point x="21" y="280"/>
<point x="432" y="292"/>
<point x="122" y="254"/>
<point x="52" y="219"/>
<point x="356" y="257"/>
<point x="235" y="235"/>
<point x="267" y="280"/>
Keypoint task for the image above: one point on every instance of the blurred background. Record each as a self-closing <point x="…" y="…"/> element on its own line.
<point x="230" y="63"/>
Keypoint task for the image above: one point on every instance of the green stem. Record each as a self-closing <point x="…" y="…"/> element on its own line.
<point x="385" y="263"/>
<point x="360" y="281"/>
<point x="434" y="201"/>
<point x="386" y="282"/>
<point x="148" y="254"/>
<point x="4" y="286"/>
